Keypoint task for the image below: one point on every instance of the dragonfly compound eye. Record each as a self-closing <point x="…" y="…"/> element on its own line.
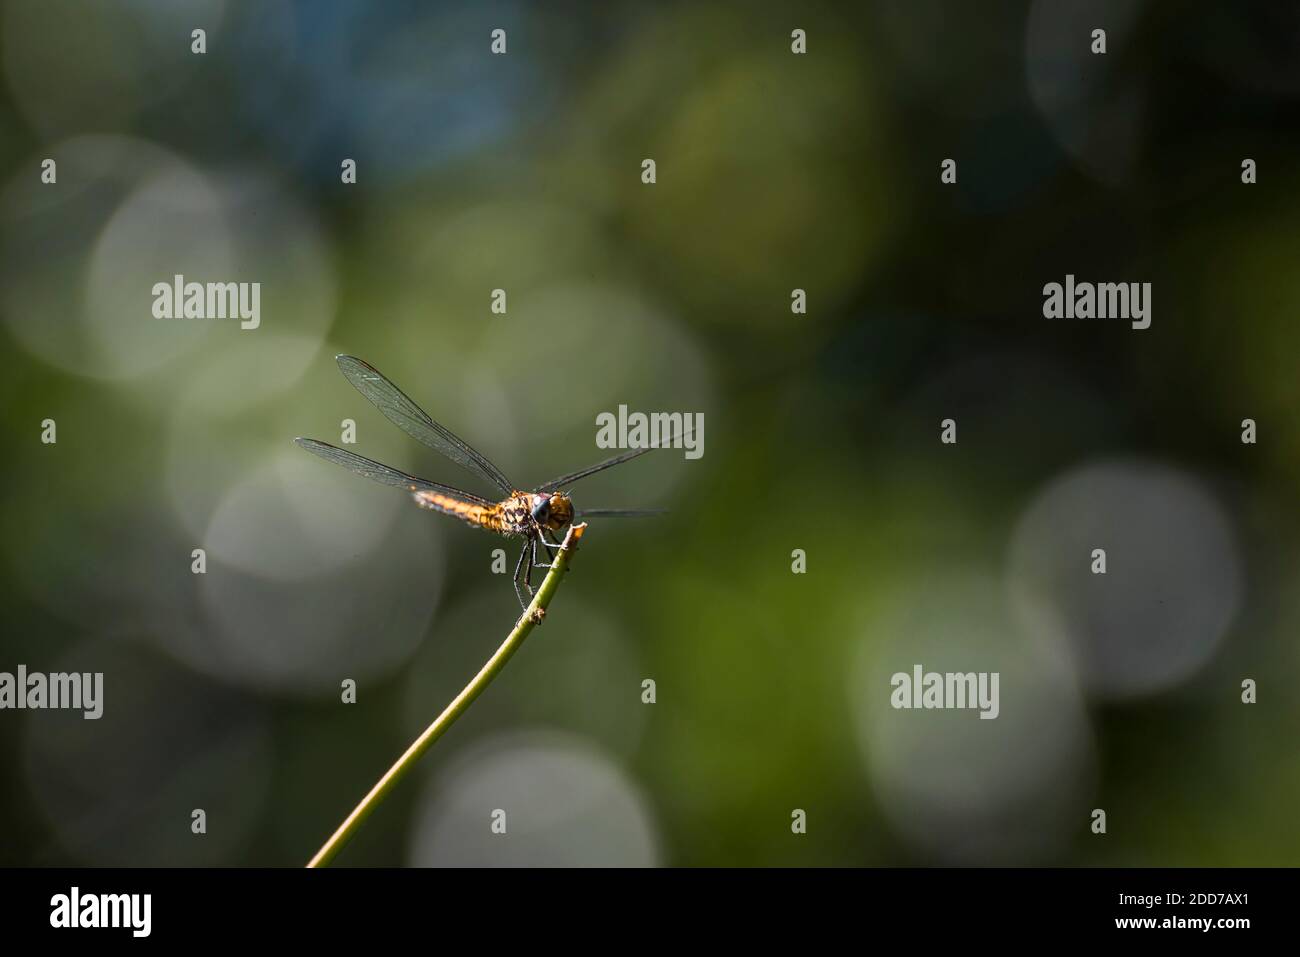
<point x="541" y="507"/>
<point x="561" y="513"/>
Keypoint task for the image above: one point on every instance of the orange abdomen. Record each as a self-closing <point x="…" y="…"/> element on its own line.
<point x="504" y="518"/>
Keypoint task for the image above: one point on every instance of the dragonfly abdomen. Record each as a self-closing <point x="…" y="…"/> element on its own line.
<point x="505" y="518"/>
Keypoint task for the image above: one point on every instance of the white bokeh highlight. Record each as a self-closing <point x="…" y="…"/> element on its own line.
<point x="1174" y="575"/>
<point x="117" y="791"/>
<point x="566" y="805"/>
<point x="957" y="788"/>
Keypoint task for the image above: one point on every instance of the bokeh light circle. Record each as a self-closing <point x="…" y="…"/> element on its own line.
<point x="1173" y="578"/>
<point x="957" y="787"/>
<point x="565" y="804"/>
<point x="120" y="790"/>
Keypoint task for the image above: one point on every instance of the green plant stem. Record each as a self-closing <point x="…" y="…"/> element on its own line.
<point x="531" y="617"/>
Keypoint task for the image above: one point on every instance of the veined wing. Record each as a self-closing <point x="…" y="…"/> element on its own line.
<point x="378" y="472"/>
<point x="572" y="477"/>
<point x="399" y="409"/>
<point x="620" y="512"/>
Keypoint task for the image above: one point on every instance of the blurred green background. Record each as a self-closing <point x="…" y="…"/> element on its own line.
<point x="775" y="171"/>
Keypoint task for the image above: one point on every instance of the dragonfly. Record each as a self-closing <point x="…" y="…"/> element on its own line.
<point x="537" y="516"/>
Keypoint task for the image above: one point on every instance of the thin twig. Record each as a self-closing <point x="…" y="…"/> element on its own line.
<point x="531" y="617"/>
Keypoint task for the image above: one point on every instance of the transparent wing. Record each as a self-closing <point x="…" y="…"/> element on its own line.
<point x="572" y="477"/>
<point x="378" y="472"/>
<point x="620" y="512"/>
<point x="415" y="422"/>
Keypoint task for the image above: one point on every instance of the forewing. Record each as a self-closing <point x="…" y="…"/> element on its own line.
<point x="378" y="472"/>
<point x="399" y="409"/>
<point x="572" y="477"/>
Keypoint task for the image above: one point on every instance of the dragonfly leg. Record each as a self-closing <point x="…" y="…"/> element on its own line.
<point x="519" y="567"/>
<point x="548" y="541"/>
<point x="536" y="563"/>
<point x="528" y="569"/>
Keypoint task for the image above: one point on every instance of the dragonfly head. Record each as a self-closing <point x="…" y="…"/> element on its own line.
<point x="553" y="511"/>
